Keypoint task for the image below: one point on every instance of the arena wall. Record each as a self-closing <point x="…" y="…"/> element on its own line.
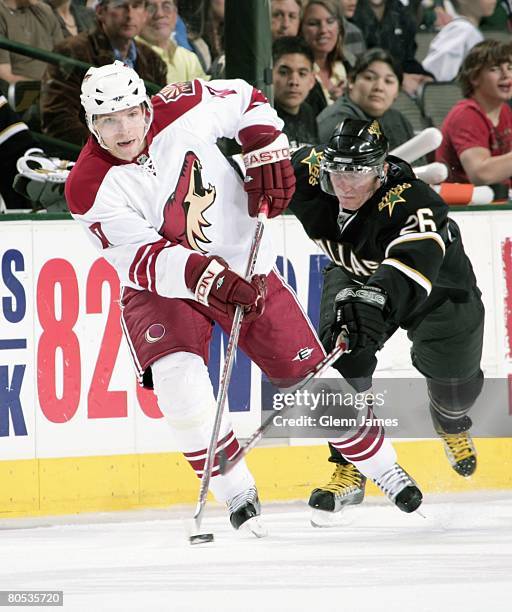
<point x="77" y="434"/>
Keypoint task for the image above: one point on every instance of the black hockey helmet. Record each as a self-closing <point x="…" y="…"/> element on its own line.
<point x="355" y="146"/>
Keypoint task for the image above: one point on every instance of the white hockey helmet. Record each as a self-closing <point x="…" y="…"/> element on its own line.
<point x="112" y="88"/>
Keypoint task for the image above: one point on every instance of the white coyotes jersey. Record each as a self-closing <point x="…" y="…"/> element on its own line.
<point x="180" y="196"/>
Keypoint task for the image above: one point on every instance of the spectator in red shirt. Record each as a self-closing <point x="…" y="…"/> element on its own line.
<point x="477" y="132"/>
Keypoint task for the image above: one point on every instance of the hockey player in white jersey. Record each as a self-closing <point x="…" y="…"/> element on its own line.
<point x="168" y="211"/>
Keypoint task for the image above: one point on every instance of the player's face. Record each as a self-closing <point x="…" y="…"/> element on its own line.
<point x="495" y="83"/>
<point x="353" y="189"/>
<point x="320" y="29"/>
<point x="285" y="18"/>
<point x="122" y="132"/>
<point x="375" y="89"/>
<point x="293" y="79"/>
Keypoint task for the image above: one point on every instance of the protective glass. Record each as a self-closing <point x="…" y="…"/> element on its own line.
<point x="337" y="179"/>
<point x="117" y="123"/>
<point x="121" y="121"/>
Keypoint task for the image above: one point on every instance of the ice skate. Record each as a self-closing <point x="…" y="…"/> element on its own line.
<point x="458" y="445"/>
<point x="346" y="488"/>
<point x="400" y="488"/>
<point x="244" y="512"/>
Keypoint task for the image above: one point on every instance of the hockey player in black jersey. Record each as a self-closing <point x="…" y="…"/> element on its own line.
<point x="397" y="260"/>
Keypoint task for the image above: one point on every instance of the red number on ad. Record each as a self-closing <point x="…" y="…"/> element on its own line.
<point x="101" y="402"/>
<point x="506" y="253"/>
<point x="148" y="403"/>
<point x="58" y="334"/>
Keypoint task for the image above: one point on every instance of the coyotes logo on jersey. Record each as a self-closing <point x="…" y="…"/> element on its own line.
<point x="184" y="222"/>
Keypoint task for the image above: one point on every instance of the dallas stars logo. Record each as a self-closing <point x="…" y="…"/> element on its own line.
<point x="313" y="162"/>
<point x="393" y="197"/>
<point x="375" y="129"/>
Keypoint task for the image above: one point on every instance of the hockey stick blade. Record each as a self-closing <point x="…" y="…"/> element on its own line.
<point x="225" y="464"/>
<point x="201" y="538"/>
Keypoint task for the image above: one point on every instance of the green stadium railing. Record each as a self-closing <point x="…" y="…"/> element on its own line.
<point x="45" y="216"/>
<point x="50" y="57"/>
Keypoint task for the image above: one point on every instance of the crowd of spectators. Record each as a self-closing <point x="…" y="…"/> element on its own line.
<point x="332" y="59"/>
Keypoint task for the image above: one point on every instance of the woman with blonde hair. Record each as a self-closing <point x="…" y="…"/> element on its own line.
<point x="322" y="29"/>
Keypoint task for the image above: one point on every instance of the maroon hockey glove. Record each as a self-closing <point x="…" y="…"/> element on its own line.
<point x="269" y="172"/>
<point x="216" y="286"/>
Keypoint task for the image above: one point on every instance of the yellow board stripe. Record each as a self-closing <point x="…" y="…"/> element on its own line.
<point x="39" y="487"/>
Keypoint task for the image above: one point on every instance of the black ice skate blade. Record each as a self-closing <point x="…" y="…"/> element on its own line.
<point x="201" y="538"/>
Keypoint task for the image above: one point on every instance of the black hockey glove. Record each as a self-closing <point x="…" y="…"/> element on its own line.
<point x="361" y="316"/>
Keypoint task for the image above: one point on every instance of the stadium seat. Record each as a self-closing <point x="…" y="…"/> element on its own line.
<point x="438" y="99"/>
<point x="23" y="94"/>
<point x="499" y="35"/>
<point x="423" y="40"/>
<point x="410" y="109"/>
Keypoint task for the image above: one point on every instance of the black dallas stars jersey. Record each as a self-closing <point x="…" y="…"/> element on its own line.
<point x="401" y="239"/>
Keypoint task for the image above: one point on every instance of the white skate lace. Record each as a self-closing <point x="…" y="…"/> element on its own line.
<point x="393" y="481"/>
<point x="241" y="499"/>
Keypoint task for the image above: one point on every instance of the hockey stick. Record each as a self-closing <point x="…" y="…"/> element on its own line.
<point x="198" y="537"/>
<point x="225" y="464"/>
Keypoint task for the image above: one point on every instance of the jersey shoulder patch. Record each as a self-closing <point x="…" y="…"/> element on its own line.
<point x="173" y="101"/>
<point x="306" y="163"/>
<point x="395" y="196"/>
<point x="406" y="201"/>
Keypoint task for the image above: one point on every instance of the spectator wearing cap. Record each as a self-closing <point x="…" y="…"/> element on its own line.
<point x="477" y="132"/>
<point x="118" y="22"/>
<point x="182" y="65"/>
<point x="30" y="22"/>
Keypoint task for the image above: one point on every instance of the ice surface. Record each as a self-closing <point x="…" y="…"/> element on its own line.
<point x="458" y="558"/>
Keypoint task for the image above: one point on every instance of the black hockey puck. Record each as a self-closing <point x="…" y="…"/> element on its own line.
<point x="201" y="538"/>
